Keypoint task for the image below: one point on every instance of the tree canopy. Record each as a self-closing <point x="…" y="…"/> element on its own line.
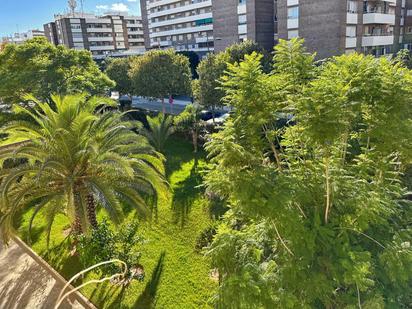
<point x="318" y="216"/>
<point x="37" y="67"/>
<point x="160" y="73"/>
<point x="206" y="89"/>
<point x="118" y="70"/>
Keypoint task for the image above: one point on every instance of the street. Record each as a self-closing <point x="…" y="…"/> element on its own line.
<point x="156" y="105"/>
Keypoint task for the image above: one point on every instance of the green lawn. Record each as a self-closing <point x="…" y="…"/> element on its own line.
<point x="176" y="275"/>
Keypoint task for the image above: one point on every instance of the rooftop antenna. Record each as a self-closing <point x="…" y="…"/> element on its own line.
<point x="72" y="6"/>
<point x="81" y="6"/>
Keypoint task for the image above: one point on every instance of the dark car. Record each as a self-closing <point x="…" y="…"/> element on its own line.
<point x="207" y="114"/>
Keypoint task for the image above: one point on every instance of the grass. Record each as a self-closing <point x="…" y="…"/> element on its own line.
<point x="176" y="275"/>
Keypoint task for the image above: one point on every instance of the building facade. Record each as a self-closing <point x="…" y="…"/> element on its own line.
<point x="19" y="38"/>
<point x="108" y="35"/>
<point x="336" y="27"/>
<point x="329" y="27"/>
<point x="178" y="24"/>
<point x="239" y="20"/>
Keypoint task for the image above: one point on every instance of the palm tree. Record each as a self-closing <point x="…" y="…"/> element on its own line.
<point x="160" y="129"/>
<point x="76" y="155"/>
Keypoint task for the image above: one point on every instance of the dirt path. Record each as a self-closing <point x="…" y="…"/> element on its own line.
<point x="24" y="283"/>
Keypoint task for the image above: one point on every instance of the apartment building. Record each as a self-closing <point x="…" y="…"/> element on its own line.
<point x="407" y="29"/>
<point x="329" y="27"/>
<point x="205" y="26"/>
<point x="108" y="35"/>
<point x="19" y="38"/>
<point x="336" y="27"/>
<point x="178" y="24"/>
<point x="239" y="20"/>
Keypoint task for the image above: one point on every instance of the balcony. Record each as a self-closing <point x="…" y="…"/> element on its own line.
<point x="99" y="30"/>
<point x="101" y="48"/>
<point x="352" y="18"/>
<point x="378" y="40"/>
<point x="378" y="18"/>
<point x="100" y="39"/>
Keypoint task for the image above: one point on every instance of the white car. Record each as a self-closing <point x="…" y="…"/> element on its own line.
<point x="218" y="120"/>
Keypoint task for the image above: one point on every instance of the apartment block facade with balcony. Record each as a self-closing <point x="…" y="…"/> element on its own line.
<point x="108" y="35"/>
<point x="329" y="27"/>
<point x="178" y="24"/>
<point x="336" y="27"/>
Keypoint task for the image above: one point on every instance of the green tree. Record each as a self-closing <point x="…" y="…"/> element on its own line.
<point x="206" y="89"/>
<point x="77" y="156"/>
<point x="322" y="224"/>
<point x="40" y="68"/>
<point x="160" y="129"/>
<point x="118" y="69"/>
<point x="193" y="61"/>
<point x="159" y="74"/>
<point x="190" y="121"/>
<point x="404" y="56"/>
<point x="237" y="52"/>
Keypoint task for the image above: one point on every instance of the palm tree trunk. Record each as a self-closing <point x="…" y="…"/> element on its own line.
<point x="77" y="223"/>
<point x="77" y="226"/>
<point x="163" y="105"/>
<point x="91" y="210"/>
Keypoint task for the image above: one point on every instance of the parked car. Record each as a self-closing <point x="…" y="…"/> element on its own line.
<point x="218" y="120"/>
<point x="206" y="115"/>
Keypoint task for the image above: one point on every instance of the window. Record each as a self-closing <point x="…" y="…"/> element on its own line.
<point x="242" y="19"/>
<point x="293" y="13"/>
<point x="351" y="31"/>
<point x="352" y="6"/>
<point x="293" y="34"/>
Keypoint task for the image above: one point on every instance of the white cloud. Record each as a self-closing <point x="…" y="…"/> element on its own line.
<point x="102" y="7"/>
<point x="131" y="0"/>
<point x="119" y="7"/>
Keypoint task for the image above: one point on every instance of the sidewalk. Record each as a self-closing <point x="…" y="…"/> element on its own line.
<point x="25" y="283"/>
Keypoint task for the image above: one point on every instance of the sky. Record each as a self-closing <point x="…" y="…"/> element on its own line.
<point x="23" y="15"/>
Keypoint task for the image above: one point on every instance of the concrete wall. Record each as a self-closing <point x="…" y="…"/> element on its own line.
<point x="321" y="23"/>
<point x="225" y="23"/>
<point x="408" y="23"/>
<point x="260" y="22"/>
<point x="143" y="6"/>
<point x="323" y="26"/>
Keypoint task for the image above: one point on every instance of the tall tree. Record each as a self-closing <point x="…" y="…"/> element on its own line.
<point x="322" y="224"/>
<point x="159" y="74"/>
<point x="118" y="70"/>
<point x="77" y="156"/>
<point x="40" y="68"/>
<point x="190" y="121"/>
<point x="206" y="89"/>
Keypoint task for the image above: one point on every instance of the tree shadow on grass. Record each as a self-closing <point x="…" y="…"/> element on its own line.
<point x="60" y="258"/>
<point x="35" y="234"/>
<point x="179" y="151"/>
<point x="146" y="300"/>
<point x="104" y="292"/>
<point x="185" y="193"/>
